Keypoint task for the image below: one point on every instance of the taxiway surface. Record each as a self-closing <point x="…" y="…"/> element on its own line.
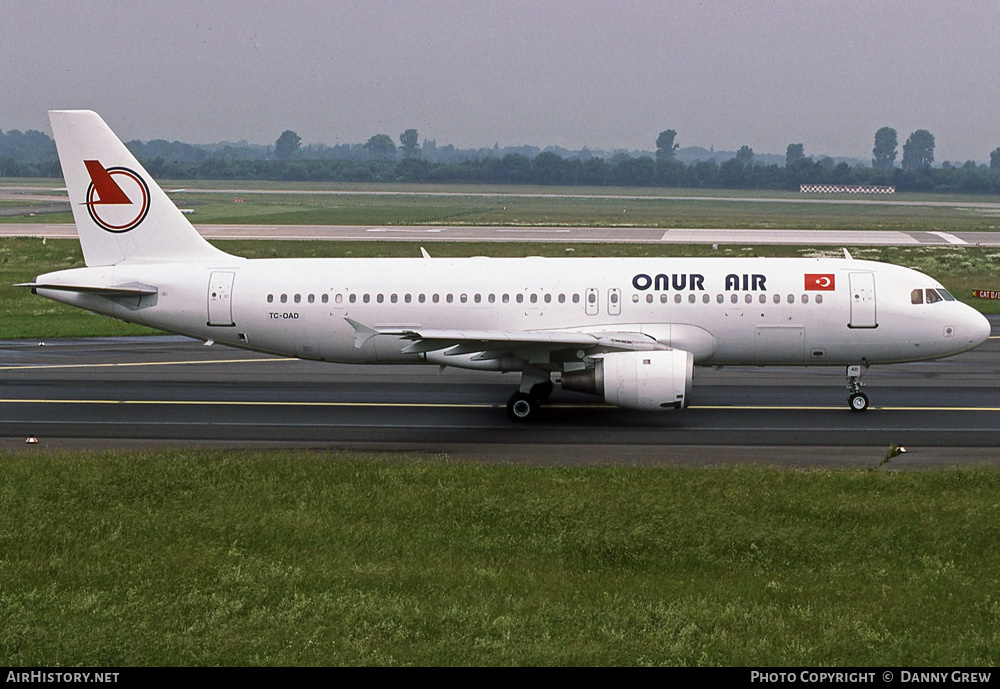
<point x="105" y="392"/>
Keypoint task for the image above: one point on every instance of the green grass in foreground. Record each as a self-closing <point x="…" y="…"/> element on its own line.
<point x="198" y="557"/>
<point x="23" y="315"/>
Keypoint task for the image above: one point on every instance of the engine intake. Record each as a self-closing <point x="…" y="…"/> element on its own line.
<point x="655" y="380"/>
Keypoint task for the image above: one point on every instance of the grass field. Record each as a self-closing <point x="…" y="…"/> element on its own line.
<point x="203" y="558"/>
<point x="529" y="206"/>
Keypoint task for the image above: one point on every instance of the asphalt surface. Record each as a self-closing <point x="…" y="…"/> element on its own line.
<point x="141" y="392"/>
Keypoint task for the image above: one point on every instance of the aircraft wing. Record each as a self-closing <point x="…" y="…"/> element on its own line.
<point x="492" y="343"/>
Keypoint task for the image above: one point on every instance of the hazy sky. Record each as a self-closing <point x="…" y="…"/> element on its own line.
<point x="606" y="75"/>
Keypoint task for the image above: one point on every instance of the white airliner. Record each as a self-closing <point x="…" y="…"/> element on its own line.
<point x="627" y="329"/>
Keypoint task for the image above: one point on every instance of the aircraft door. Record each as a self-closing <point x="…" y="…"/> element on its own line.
<point x="220" y="303"/>
<point x="863" y="300"/>
<point x="614" y="302"/>
<point x="591" y="302"/>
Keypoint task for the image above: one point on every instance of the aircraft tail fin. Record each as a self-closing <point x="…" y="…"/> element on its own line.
<point x="121" y="214"/>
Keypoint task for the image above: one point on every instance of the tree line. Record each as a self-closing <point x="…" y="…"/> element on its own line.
<point x="32" y="154"/>
<point x="551" y="169"/>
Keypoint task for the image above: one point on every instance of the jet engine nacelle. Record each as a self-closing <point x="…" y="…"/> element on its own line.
<point x="654" y="380"/>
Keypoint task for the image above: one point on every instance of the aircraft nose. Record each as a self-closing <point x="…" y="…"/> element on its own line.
<point x="977" y="327"/>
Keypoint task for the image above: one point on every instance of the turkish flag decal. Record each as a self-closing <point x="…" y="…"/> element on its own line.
<point x="825" y="282"/>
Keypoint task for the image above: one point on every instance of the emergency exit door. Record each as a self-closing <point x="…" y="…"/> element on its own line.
<point x="220" y="299"/>
<point x="863" y="314"/>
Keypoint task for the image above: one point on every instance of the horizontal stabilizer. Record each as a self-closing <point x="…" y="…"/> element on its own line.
<point x="103" y="291"/>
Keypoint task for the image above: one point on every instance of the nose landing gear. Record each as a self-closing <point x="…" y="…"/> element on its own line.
<point x="858" y="401"/>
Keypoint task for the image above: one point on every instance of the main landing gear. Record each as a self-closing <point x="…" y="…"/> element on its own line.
<point x="526" y="406"/>
<point x="858" y="400"/>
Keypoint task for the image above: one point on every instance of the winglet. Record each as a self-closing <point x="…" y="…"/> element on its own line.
<point x="362" y="333"/>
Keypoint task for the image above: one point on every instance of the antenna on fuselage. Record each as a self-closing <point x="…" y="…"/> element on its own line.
<point x="847" y="255"/>
<point x="423" y="252"/>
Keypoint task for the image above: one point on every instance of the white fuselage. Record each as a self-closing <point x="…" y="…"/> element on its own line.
<point x="726" y="311"/>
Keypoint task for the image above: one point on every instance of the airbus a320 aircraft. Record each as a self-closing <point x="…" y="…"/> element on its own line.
<point x="628" y="330"/>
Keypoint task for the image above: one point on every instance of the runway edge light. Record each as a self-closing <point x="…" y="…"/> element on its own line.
<point x="32" y="440"/>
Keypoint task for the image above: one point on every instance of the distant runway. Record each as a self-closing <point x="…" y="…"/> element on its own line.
<point x="444" y="233"/>
<point x="136" y="392"/>
<point x="14" y="192"/>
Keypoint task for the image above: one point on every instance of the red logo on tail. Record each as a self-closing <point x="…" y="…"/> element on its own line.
<point x="117" y="198"/>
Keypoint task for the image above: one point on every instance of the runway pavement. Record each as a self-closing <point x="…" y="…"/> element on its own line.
<point x="430" y="234"/>
<point x="129" y="392"/>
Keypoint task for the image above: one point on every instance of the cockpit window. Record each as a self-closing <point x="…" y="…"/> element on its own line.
<point x="946" y="294"/>
<point x="933" y="296"/>
<point x="917" y="296"/>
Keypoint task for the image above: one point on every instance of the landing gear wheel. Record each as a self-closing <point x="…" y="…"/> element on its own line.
<point x="542" y="391"/>
<point x="858" y="401"/>
<point x="522" y="407"/>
